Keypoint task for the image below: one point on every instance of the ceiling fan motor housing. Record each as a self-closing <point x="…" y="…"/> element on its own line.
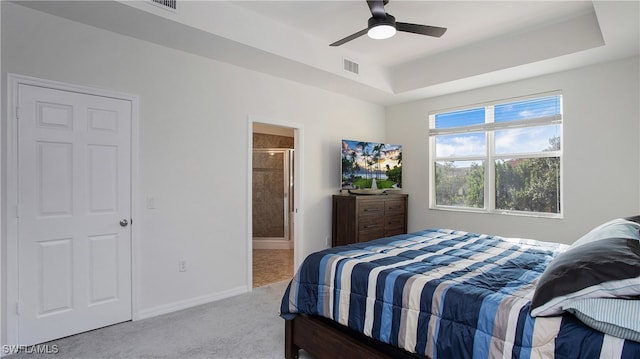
<point x="387" y="20"/>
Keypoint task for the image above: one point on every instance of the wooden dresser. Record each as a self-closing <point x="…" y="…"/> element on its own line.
<point x="361" y="218"/>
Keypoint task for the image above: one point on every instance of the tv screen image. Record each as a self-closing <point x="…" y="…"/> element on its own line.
<point x="371" y="165"/>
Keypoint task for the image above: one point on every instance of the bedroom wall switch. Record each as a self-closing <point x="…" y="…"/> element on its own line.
<point x="182" y="265"/>
<point x="151" y="203"/>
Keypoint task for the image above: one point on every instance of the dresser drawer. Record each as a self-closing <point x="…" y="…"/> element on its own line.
<point x="371" y="224"/>
<point x="371" y="208"/>
<point x="393" y="223"/>
<point x="365" y="236"/>
<point x="393" y="207"/>
<point x="393" y="232"/>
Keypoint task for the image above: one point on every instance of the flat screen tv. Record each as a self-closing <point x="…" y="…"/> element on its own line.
<point x="371" y="166"/>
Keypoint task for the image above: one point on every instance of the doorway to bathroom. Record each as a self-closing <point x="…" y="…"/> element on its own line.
<point x="273" y="203"/>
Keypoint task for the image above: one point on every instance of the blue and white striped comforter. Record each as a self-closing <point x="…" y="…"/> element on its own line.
<point x="445" y="294"/>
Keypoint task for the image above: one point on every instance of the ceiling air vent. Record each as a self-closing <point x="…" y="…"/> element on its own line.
<point x="350" y="66"/>
<point x="168" y="4"/>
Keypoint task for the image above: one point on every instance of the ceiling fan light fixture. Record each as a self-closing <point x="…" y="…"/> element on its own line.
<point x="382" y="28"/>
<point x="381" y="32"/>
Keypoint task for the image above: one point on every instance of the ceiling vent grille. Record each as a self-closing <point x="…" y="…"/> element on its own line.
<point x="169" y="4"/>
<point x="350" y="66"/>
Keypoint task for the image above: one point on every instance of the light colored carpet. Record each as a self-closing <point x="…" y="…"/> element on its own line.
<point x="245" y="326"/>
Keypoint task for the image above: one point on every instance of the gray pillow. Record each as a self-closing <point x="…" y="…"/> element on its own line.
<point x="606" y="268"/>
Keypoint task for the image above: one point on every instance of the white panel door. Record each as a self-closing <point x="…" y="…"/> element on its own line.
<point x="74" y="189"/>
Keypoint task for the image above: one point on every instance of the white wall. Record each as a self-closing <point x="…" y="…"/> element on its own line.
<point x="601" y="152"/>
<point x="193" y="145"/>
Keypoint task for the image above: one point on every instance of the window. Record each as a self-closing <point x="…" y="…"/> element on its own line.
<point x="502" y="157"/>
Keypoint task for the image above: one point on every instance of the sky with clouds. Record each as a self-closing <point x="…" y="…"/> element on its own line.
<point x="509" y="141"/>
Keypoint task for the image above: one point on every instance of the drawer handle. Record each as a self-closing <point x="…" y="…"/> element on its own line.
<point x="396" y="207"/>
<point x="370" y="226"/>
<point x="371" y="210"/>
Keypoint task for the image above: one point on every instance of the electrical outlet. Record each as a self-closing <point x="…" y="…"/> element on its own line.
<point x="182" y="265"/>
<point x="328" y="240"/>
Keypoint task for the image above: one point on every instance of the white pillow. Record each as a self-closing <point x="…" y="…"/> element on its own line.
<point x="620" y="228"/>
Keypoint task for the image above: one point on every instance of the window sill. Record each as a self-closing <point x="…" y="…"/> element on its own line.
<point x="499" y="212"/>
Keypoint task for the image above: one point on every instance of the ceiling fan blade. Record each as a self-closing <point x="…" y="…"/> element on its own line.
<point x="421" y="29"/>
<point x="377" y="8"/>
<point x="350" y="37"/>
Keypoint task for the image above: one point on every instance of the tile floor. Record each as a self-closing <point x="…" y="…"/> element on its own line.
<point x="271" y="265"/>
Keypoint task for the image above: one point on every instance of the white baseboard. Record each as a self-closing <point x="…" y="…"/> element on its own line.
<point x="271" y="243"/>
<point x="188" y="303"/>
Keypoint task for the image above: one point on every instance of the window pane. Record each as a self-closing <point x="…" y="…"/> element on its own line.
<point x="460" y="183"/>
<point x="529" y="184"/>
<point x="460" y="118"/>
<point x="527" y="109"/>
<point x="459" y="145"/>
<point x="528" y="140"/>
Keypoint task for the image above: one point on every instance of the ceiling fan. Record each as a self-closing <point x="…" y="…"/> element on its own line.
<point x="384" y="26"/>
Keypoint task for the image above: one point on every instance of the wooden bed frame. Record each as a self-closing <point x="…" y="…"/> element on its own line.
<point x="323" y="338"/>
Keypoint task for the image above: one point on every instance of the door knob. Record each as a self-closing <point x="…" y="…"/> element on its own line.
<point x="124" y="222"/>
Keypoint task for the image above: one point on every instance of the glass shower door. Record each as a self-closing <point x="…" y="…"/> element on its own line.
<point x="271" y="194"/>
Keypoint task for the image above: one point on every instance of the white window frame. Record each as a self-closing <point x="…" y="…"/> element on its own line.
<point x="489" y="127"/>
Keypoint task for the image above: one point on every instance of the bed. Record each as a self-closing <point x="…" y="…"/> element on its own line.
<point x="442" y="293"/>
